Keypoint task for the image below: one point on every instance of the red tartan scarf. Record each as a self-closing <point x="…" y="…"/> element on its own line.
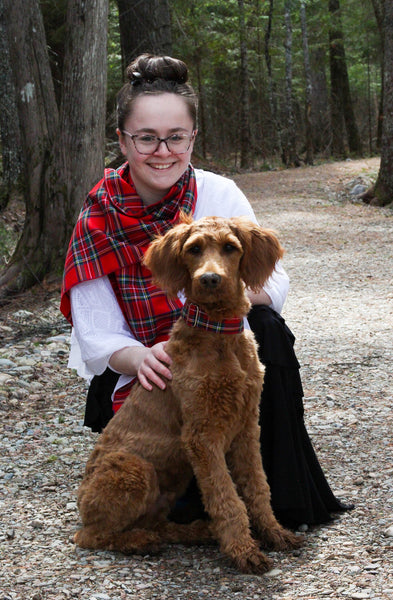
<point x="110" y="238"/>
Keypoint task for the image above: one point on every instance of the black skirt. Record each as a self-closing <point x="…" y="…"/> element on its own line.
<point x="300" y="492"/>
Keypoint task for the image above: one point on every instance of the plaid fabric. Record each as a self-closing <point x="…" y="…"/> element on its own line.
<point x="110" y="238"/>
<point x="195" y="317"/>
<point x="112" y="233"/>
<point x="121" y="394"/>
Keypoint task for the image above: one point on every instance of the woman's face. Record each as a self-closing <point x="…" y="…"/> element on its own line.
<point x="161" y="115"/>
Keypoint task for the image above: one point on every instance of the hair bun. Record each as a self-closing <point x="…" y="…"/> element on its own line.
<point x="147" y="68"/>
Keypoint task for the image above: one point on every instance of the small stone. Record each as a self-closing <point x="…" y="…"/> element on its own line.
<point x="10" y="534"/>
<point x="58" y="338"/>
<point x="22" y="314"/>
<point x="6" y="363"/>
<point x="303" y="527"/>
<point x="358" y="189"/>
<point x="36" y="524"/>
<point x="273" y="572"/>
<point x="389" y="531"/>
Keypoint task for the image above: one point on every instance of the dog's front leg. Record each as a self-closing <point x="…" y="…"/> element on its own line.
<point x="245" y="463"/>
<point x="230" y="523"/>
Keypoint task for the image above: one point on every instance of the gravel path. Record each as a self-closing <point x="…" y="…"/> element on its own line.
<point x="339" y="255"/>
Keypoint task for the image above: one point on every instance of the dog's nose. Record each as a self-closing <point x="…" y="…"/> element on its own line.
<point x="210" y="280"/>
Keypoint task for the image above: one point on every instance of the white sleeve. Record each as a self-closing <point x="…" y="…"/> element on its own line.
<point x="219" y="196"/>
<point x="277" y="287"/>
<point x="99" y="327"/>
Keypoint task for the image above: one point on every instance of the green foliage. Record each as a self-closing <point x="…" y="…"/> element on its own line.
<point x="6" y="242"/>
<point x="206" y="36"/>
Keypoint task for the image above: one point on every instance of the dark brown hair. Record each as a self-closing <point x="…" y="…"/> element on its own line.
<point x="149" y="74"/>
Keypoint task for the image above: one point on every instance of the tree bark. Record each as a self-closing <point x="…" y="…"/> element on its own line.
<point x="342" y="107"/>
<point x="308" y="98"/>
<point x="9" y="121"/>
<point x="378" y="6"/>
<point x="245" y="133"/>
<point x="62" y="149"/>
<point x="289" y="157"/>
<point x="271" y="87"/>
<point x="384" y="186"/>
<point x="320" y="113"/>
<point x="145" y="26"/>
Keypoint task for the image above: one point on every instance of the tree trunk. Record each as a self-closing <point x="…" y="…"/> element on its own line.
<point x="308" y="99"/>
<point x="245" y="135"/>
<point x="271" y="88"/>
<point x="145" y="26"/>
<point x="378" y="6"/>
<point x="320" y="114"/>
<point x="342" y="107"/>
<point x="384" y="185"/>
<point x="289" y="157"/>
<point x="9" y="121"/>
<point x="62" y="150"/>
<point x="201" y="96"/>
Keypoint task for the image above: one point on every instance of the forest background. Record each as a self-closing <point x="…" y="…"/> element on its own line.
<point x="281" y="83"/>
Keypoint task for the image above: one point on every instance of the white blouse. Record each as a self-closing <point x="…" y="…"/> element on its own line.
<point x="99" y="327"/>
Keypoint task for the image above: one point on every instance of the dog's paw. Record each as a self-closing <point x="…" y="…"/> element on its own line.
<point x="282" y="539"/>
<point x="254" y="562"/>
<point x="248" y="558"/>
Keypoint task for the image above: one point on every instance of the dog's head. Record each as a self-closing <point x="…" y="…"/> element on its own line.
<point x="212" y="258"/>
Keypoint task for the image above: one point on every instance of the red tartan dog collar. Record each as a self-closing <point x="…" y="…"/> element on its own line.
<point x="195" y="317"/>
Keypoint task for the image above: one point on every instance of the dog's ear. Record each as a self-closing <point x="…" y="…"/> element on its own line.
<point x="261" y="251"/>
<point x="163" y="259"/>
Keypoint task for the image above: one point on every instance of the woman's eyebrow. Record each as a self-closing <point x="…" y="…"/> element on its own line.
<point x="154" y="131"/>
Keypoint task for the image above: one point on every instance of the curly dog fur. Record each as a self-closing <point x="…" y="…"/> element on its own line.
<point x="206" y="420"/>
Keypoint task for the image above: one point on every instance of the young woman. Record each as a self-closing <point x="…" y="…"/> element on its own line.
<point x="121" y="320"/>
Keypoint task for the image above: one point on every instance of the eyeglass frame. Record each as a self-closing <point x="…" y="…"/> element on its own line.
<point x="160" y="140"/>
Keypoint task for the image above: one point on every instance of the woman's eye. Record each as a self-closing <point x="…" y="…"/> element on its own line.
<point x="176" y="138"/>
<point x="229" y="248"/>
<point x="195" y="249"/>
<point x="147" y="139"/>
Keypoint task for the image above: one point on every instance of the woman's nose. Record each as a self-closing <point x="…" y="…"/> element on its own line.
<point x="162" y="149"/>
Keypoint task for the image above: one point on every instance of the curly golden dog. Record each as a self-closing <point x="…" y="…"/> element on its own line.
<point x="206" y="420"/>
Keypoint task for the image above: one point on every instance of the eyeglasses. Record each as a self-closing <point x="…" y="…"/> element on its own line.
<point x="145" y="143"/>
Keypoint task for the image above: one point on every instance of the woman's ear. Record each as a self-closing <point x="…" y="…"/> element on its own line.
<point x="163" y="259"/>
<point x="122" y="144"/>
<point x="261" y="251"/>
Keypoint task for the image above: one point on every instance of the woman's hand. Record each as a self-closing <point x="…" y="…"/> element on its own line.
<point x="153" y="368"/>
<point x="150" y="365"/>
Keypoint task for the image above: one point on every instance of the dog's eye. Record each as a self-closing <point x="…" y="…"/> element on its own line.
<point x="228" y="248"/>
<point x="194" y="249"/>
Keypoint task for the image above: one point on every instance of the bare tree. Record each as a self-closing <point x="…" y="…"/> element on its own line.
<point x="379" y="10"/>
<point x="62" y="146"/>
<point x="307" y="72"/>
<point x="383" y="191"/>
<point x="320" y="113"/>
<point x="271" y="86"/>
<point x="145" y="26"/>
<point x="289" y="156"/>
<point x="9" y="121"/>
<point x="341" y="101"/>
<point x="245" y="137"/>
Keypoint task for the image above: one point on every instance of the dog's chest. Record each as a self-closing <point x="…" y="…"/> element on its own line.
<point x="216" y="378"/>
